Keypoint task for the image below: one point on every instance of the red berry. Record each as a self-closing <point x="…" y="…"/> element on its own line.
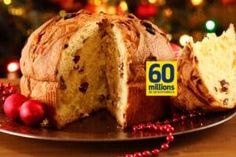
<point x="172" y="129"/>
<point x="129" y="155"/>
<point x="134" y="128"/>
<point x="146" y="153"/>
<point x="12" y="105"/>
<point x="165" y="146"/>
<point x="149" y="126"/>
<point x="183" y="117"/>
<point x="155" y="128"/>
<point x="175" y="120"/>
<point x="161" y="128"/>
<point x="191" y="115"/>
<point x="32" y="112"/>
<point x="140" y="126"/>
<point x="4" y="92"/>
<point x="168" y="130"/>
<point x="155" y="152"/>
<point x="170" y="138"/>
<point x="164" y="127"/>
<point x="166" y="121"/>
<point x="4" y="98"/>
<point x="138" y="154"/>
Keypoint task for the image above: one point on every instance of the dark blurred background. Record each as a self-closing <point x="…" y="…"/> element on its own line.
<point x="180" y="18"/>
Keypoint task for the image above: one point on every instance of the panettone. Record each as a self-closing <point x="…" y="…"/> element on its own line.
<point x="84" y="62"/>
<point x="207" y="73"/>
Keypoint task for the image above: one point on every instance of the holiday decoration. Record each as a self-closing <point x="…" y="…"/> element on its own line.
<point x="5" y="91"/>
<point x="12" y="105"/>
<point x="18" y="107"/>
<point x="69" y="5"/>
<point x="184" y="39"/>
<point x="210" y="25"/>
<point x="176" y="48"/>
<point x="146" y="10"/>
<point x="32" y="112"/>
<point x="13" y="70"/>
<point x="228" y="2"/>
<point x="163" y="127"/>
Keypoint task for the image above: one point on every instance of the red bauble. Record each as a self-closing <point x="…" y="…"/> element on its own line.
<point x="176" y="49"/>
<point x="32" y="112"/>
<point x="69" y="5"/>
<point x="12" y="105"/>
<point x="90" y="7"/>
<point x="119" y="11"/>
<point x="228" y="2"/>
<point x="146" y="10"/>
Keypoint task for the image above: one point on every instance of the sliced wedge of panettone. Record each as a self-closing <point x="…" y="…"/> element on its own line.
<point x="207" y="73"/>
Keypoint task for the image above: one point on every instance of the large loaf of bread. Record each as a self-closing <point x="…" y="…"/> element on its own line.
<point x="207" y="73"/>
<point x="84" y="62"/>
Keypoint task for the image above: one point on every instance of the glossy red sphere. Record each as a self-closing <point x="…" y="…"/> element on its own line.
<point x="32" y="112"/>
<point x="12" y="105"/>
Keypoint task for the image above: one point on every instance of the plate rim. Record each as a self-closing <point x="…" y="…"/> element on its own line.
<point x="87" y="140"/>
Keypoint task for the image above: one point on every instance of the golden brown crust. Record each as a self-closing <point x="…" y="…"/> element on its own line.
<point x="43" y="91"/>
<point x="142" y="108"/>
<point x="41" y="54"/>
<point x="144" y="41"/>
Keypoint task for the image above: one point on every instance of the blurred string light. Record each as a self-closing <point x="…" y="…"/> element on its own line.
<point x="168" y="12"/>
<point x="196" y="2"/>
<point x="161" y="2"/>
<point x="62" y="13"/>
<point x="158" y="2"/>
<point x="111" y="10"/>
<point x="152" y="1"/>
<point x="16" y="11"/>
<point x="184" y="39"/>
<point x="101" y="8"/>
<point x="97" y="2"/>
<point x="7" y="2"/>
<point x="123" y="5"/>
<point x="13" y="67"/>
<point x="169" y="37"/>
<point x="210" y="25"/>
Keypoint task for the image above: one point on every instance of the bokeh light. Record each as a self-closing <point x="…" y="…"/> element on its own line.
<point x="7" y="2"/>
<point x="196" y="2"/>
<point x="13" y="67"/>
<point x="210" y="25"/>
<point x="184" y="39"/>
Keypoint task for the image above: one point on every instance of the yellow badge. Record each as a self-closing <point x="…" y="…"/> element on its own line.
<point x="161" y="78"/>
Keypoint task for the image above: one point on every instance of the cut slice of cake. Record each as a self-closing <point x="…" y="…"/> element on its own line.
<point x="85" y="62"/>
<point x="207" y="73"/>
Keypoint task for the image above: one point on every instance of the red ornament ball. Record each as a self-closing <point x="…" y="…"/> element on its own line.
<point x="228" y="2"/>
<point x="12" y="105"/>
<point x="165" y="146"/>
<point x="32" y="112"/>
<point x="146" y="10"/>
<point x="176" y="49"/>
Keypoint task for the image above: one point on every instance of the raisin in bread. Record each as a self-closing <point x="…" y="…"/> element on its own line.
<point x="207" y="73"/>
<point x="84" y="62"/>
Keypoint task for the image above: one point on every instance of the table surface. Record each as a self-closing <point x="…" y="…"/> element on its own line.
<point x="214" y="142"/>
